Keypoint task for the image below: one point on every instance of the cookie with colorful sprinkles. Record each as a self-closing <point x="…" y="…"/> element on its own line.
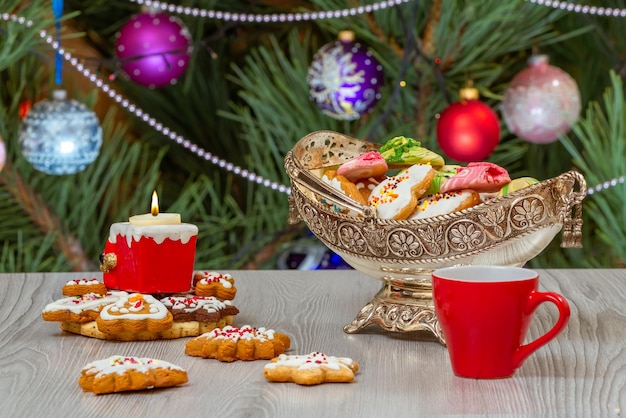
<point x="445" y="203"/>
<point x="396" y="197"/>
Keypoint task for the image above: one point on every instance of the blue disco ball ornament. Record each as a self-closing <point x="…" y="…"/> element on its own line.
<point x="60" y="136"/>
<point x="344" y="78"/>
<point x="309" y="254"/>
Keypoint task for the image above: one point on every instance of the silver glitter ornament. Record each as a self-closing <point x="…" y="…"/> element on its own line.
<point x="60" y="136"/>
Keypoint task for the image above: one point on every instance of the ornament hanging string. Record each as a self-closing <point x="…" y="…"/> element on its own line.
<point x="159" y="127"/>
<point x="57" y="9"/>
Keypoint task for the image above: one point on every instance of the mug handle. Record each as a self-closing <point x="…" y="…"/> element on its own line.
<point x="534" y="300"/>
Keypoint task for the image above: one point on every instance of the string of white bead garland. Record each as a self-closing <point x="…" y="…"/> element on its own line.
<point x="353" y="11"/>
<point x="579" y="8"/>
<point x="172" y="135"/>
<point x="144" y="116"/>
<point x="271" y="17"/>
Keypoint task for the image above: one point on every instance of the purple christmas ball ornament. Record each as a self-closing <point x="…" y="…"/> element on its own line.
<point x="344" y="78"/>
<point x="153" y="49"/>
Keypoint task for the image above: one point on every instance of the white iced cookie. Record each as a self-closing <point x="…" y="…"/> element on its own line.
<point x="445" y="203"/>
<point x="396" y="197"/>
<point x="310" y="369"/>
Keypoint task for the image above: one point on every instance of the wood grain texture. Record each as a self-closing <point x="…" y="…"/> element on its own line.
<point x="581" y="373"/>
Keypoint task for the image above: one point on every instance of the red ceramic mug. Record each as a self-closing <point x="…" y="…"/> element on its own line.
<point x="484" y="313"/>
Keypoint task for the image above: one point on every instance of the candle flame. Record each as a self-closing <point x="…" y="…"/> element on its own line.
<point x="154" y="208"/>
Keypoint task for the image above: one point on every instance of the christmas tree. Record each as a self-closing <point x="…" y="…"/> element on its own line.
<point x="213" y="143"/>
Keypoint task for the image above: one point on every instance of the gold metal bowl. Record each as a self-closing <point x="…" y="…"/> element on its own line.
<point x="508" y="230"/>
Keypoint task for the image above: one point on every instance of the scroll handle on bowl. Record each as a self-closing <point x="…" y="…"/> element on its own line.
<point x="310" y="181"/>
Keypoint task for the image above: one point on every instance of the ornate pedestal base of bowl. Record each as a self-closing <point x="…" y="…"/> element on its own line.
<point x="400" y="306"/>
<point x="505" y="231"/>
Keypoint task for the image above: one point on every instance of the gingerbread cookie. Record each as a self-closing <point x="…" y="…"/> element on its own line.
<point x="121" y="374"/>
<point x="198" y="308"/>
<point x="366" y="185"/>
<point x="245" y="343"/>
<point x="134" y="313"/>
<point x="212" y="283"/>
<point x="81" y="308"/>
<point x="311" y="369"/>
<point x="396" y="197"/>
<point x="445" y="203"/>
<point x="83" y="286"/>
<point x="343" y="185"/>
<point x="177" y="330"/>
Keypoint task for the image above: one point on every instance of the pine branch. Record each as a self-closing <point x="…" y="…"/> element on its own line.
<point x="35" y="207"/>
<point x="603" y="157"/>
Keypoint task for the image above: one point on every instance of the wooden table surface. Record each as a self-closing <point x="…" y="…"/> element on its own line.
<point x="582" y="372"/>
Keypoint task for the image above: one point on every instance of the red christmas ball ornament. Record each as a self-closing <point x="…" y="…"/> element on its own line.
<point x="468" y="130"/>
<point x="153" y="49"/>
<point x="25" y="106"/>
<point x="541" y="103"/>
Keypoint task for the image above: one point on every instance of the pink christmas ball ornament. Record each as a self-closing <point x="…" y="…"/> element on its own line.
<point x="542" y="102"/>
<point x="3" y="154"/>
<point x="153" y="49"/>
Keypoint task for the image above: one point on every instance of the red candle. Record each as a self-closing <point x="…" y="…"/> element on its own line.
<point x="152" y="253"/>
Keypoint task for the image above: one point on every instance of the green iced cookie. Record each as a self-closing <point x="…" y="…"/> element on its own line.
<point x="441" y="175"/>
<point x="403" y="151"/>
<point x="517" y="184"/>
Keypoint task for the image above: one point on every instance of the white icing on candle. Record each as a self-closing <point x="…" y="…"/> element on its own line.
<point x="180" y="232"/>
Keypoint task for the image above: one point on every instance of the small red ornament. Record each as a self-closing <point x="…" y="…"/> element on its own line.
<point x="25" y="106"/>
<point x="468" y="130"/>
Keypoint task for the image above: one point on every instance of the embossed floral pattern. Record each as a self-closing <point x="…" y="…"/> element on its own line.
<point x="493" y="219"/>
<point x="352" y="239"/>
<point x="404" y="243"/>
<point x="466" y="236"/>
<point x="528" y="212"/>
<point x="433" y="239"/>
<point x="376" y="239"/>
